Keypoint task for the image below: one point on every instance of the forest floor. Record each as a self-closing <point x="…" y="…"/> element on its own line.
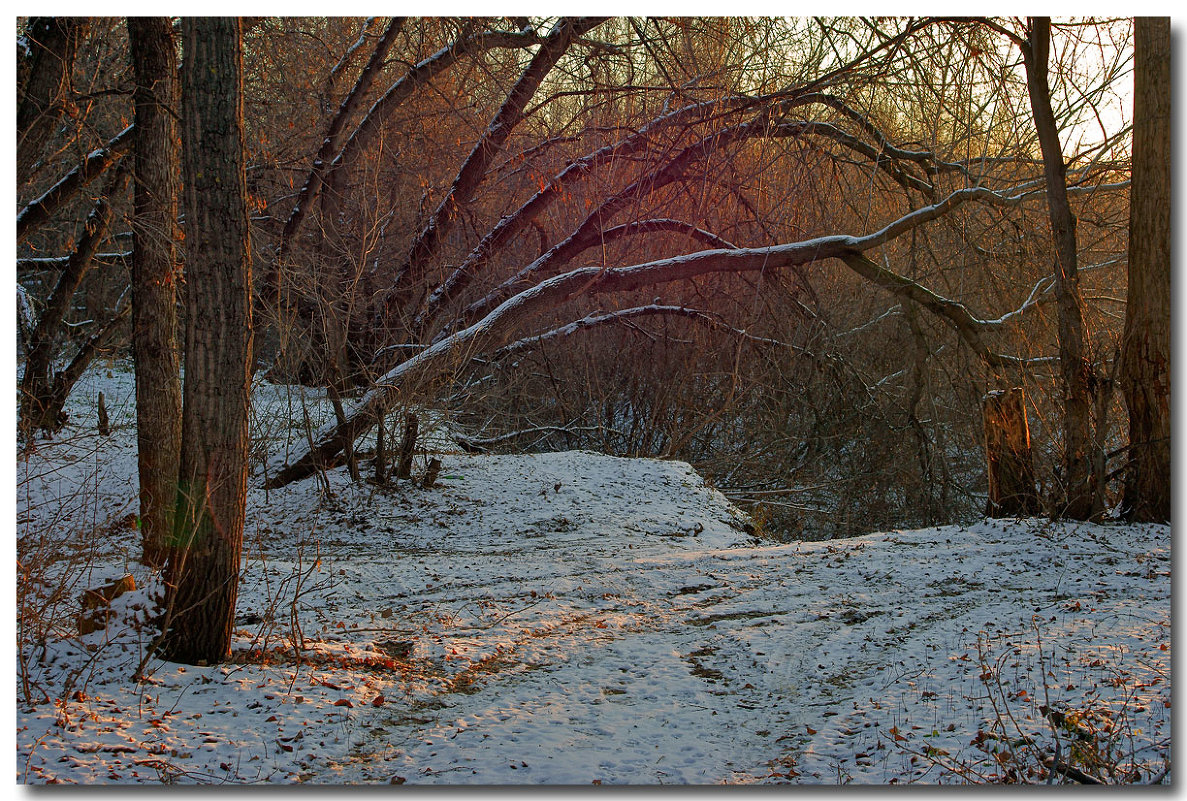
<point x="573" y="618"/>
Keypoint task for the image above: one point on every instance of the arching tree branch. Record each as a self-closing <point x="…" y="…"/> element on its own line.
<point x="493" y="329"/>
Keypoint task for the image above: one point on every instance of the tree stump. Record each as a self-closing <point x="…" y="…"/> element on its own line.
<point x="431" y="474"/>
<point x="104" y="421"/>
<point x="407" y="446"/>
<point x="1007" y="452"/>
<point x="96" y="603"/>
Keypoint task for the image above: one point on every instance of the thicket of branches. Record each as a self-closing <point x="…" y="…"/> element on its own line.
<point x="795" y="252"/>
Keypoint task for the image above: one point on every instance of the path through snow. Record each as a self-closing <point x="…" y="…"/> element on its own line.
<point x="575" y="618"/>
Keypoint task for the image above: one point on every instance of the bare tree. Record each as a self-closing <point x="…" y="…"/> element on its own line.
<point x="44" y="392"/>
<point x="1081" y="500"/>
<point x="493" y="330"/>
<point x="420" y="188"/>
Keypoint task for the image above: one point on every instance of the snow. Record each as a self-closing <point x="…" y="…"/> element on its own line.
<point x="573" y="618"/>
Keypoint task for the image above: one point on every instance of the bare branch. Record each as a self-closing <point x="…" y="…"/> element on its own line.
<point x="493" y="329"/>
<point x="473" y="170"/>
<point x="625" y="315"/>
<point x="41" y="210"/>
<point x="330" y="143"/>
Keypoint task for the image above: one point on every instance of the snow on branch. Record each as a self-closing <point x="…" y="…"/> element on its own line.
<point x="555" y="187"/>
<point x="625" y="315"/>
<point x="493" y="330"/>
<point x="667" y="224"/>
<point x="483" y="442"/>
<point x="39" y="211"/>
<point x="1041" y="292"/>
<point x="348" y="56"/>
<point x="589" y="232"/>
<point x="25" y="264"/>
<point x="884" y="156"/>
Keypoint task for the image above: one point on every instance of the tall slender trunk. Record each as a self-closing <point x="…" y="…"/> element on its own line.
<point x="1079" y="502"/>
<point x="202" y="575"/>
<point x="154" y="286"/>
<point x="1146" y="349"/>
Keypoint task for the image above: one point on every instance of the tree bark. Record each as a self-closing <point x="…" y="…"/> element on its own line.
<point x="1146" y="346"/>
<point x="154" y="286"/>
<point x="1079" y="502"/>
<point x="407" y="446"/>
<point x="1011" y="472"/>
<point x="202" y="575"/>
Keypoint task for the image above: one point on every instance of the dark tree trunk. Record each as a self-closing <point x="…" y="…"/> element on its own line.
<point x="154" y="287"/>
<point x="203" y="569"/>
<point x="44" y="86"/>
<point x="1007" y="451"/>
<point x="1075" y="361"/>
<point x="407" y="446"/>
<point x="1146" y="351"/>
<point x="104" y="426"/>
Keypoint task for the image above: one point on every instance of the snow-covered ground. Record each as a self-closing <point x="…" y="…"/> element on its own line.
<point x="575" y="618"/>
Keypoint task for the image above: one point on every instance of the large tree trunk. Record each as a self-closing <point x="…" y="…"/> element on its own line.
<point x="203" y="568"/>
<point x="1079" y="502"/>
<point x="154" y="288"/>
<point x="1146" y="351"/>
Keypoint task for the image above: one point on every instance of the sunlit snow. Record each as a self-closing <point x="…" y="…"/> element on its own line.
<point x="573" y="618"/>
